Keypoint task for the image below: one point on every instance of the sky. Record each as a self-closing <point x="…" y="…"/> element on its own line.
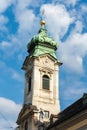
<point x="66" y="22"/>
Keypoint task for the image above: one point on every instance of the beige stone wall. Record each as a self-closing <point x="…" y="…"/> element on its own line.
<point x="28" y="72"/>
<point x="46" y="99"/>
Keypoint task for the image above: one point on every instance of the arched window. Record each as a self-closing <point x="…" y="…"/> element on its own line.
<point x="46" y="82"/>
<point x="26" y="126"/>
<point x="29" y="84"/>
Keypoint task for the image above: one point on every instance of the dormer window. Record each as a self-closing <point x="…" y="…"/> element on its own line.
<point x="45" y="82"/>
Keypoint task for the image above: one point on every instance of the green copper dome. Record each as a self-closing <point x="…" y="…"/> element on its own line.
<point x="42" y="44"/>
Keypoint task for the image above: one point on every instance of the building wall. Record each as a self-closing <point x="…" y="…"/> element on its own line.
<point x="42" y="98"/>
<point x="45" y="100"/>
<point x="77" y="122"/>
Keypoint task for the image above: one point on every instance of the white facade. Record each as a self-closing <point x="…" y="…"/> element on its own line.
<point x="39" y="101"/>
<point x="48" y="100"/>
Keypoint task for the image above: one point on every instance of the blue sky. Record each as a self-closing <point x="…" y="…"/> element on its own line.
<point x="66" y="22"/>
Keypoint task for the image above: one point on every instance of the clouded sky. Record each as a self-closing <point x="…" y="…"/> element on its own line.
<point x="66" y="22"/>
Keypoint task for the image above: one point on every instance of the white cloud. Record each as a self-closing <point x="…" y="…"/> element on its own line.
<point x="74" y="92"/>
<point x="78" y="27"/>
<point x="27" y="26"/>
<point x="25" y="16"/>
<point x="22" y="4"/>
<point x="73" y="50"/>
<point x="57" y="19"/>
<point x="74" y="47"/>
<point x="71" y="2"/>
<point x="5" y="44"/>
<point x="14" y="45"/>
<point x="84" y="8"/>
<point x="26" y="20"/>
<point x="66" y="2"/>
<point x="3" y="22"/>
<point x="8" y="113"/>
<point x="3" y="19"/>
<point x="16" y="76"/>
<point x="13" y="74"/>
<point x="74" y="89"/>
<point x="4" y="4"/>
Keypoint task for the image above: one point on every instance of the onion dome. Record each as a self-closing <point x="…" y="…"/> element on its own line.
<point x="42" y="43"/>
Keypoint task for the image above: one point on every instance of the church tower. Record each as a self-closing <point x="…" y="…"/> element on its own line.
<point x="41" y="91"/>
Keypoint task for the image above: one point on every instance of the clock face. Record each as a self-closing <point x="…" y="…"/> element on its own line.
<point x="46" y="61"/>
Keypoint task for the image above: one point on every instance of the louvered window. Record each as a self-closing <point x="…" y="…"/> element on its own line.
<point x="46" y="82"/>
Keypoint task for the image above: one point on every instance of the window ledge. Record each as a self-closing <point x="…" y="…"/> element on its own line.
<point x="45" y="90"/>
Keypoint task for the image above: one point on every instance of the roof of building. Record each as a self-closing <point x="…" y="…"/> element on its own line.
<point x="42" y="37"/>
<point x="77" y="107"/>
<point x="41" y="43"/>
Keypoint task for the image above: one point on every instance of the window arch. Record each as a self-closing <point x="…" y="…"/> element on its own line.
<point x="46" y="82"/>
<point x="29" y="84"/>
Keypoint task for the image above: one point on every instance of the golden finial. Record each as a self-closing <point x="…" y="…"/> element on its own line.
<point x="42" y="21"/>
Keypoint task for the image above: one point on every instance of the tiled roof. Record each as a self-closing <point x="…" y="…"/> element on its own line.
<point x="72" y="110"/>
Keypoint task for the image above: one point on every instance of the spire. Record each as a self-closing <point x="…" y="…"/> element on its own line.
<point x="42" y="19"/>
<point x="41" y="43"/>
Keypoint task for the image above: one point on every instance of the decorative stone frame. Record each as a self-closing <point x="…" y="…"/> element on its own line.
<point x="47" y="72"/>
<point x="44" y="79"/>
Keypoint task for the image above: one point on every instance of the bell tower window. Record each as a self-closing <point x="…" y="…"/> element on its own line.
<point x="45" y="82"/>
<point x="29" y="85"/>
